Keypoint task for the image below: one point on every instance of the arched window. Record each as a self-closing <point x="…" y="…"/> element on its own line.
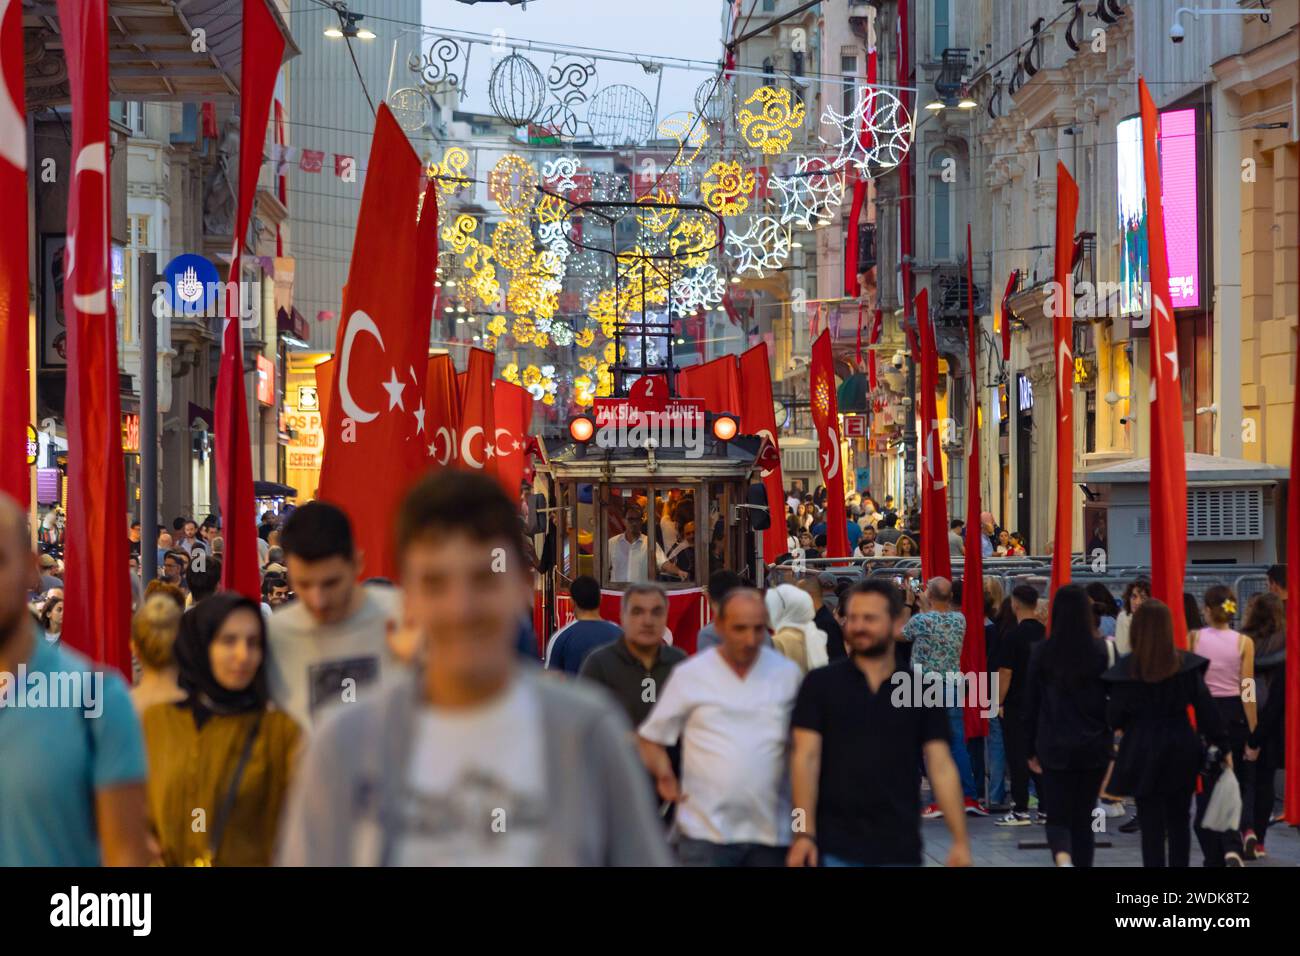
<point x="941" y="204"/>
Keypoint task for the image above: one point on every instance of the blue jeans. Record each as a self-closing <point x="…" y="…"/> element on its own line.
<point x="959" y="754"/>
<point x="996" y="758"/>
<point x="703" y="853"/>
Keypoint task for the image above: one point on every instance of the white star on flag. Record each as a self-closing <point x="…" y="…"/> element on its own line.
<point x="419" y="417"/>
<point x="394" y="388"/>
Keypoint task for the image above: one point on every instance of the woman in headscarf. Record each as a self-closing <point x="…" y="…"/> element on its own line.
<point x="793" y="632"/>
<point x="221" y="756"/>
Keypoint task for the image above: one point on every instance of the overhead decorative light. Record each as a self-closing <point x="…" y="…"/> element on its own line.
<point x="935" y="105"/>
<point x="348" y="26"/>
<point x="966" y="103"/>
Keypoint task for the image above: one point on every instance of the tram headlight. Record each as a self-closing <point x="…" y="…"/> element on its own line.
<point x="725" y="426"/>
<point x="581" y="428"/>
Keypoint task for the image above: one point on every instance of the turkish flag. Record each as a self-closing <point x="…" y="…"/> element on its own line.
<point x="97" y="614"/>
<point x="442" y="399"/>
<point x="973" y="652"/>
<point x="826" y="423"/>
<point x="374" y="436"/>
<point x="936" y="559"/>
<point x="262" y="51"/>
<point x="312" y="160"/>
<point x="1291" y="732"/>
<point x="15" y="474"/>
<point x="756" y="387"/>
<point x="1067" y="207"/>
<point x="717" y="382"/>
<point x="477" y="450"/>
<point x="512" y="410"/>
<point x="1006" y="316"/>
<point x="324" y="387"/>
<point x="1168" y="466"/>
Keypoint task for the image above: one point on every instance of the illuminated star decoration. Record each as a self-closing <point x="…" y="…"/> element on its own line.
<point x="698" y="289"/>
<point x="875" y="136"/>
<point x="811" y="194"/>
<point x="765" y="245"/>
<point x="772" y="128"/>
<point x="726" y="187"/>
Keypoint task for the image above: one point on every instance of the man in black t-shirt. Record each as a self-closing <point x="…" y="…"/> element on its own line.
<point x="859" y="726"/>
<point x="1013" y="673"/>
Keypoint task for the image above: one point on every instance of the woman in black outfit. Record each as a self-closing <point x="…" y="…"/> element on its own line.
<point x="1065" y="717"/>
<point x="1160" y="753"/>
<point x="1266" y="626"/>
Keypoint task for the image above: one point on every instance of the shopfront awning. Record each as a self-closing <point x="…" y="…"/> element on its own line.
<point x="152" y="51"/>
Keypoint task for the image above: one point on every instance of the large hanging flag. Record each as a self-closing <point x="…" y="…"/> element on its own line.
<point x="442" y="404"/>
<point x="1006" y="316"/>
<point x="1291" y="731"/>
<point x="477" y="451"/>
<point x="1168" y="466"/>
<point x="717" y="382"/>
<point x="877" y="329"/>
<point x="973" y="651"/>
<point x="1067" y="207"/>
<point x="852" y="287"/>
<point x="376" y="411"/>
<point x="15" y="478"/>
<point x="97" y="609"/>
<point x="826" y="422"/>
<point x="512" y="410"/>
<point x="936" y="560"/>
<point x="263" y="49"/>
<point x="760" y="419"/>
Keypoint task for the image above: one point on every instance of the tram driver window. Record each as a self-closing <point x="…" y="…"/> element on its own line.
<point x="626" y="559"/>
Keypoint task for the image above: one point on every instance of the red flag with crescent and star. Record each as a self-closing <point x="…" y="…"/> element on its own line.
<point x="263" y="49"/>
<point x="15" y="473"/>
<point x="1067" y="207"/>
<point x="936" y="559"/>
<point x="826" y="422"/>
<point x="442" y="399"/>
<point x="974" y="656"/>
<point x="376" y="436"/>
<point x="512" y="409"/>
<point x="476" y="450"/>
<point x="1168" y="464"/>
<point x="760" y="419"/>
<point x="97" y="610"/>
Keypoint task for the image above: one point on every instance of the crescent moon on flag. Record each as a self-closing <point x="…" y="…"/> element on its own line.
<point x="466" y="443"/>
<point x="444" y="432"/>
<point x="93" y="158"/>
<point x="508" y="451"/>
<point x="360" y="322"/>
<point x="766" y="433"/>
<point x="834" y="468"/>
<point x="13" y="131"/>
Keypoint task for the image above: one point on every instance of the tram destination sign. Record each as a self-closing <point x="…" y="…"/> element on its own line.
<point x="650" y="417"/>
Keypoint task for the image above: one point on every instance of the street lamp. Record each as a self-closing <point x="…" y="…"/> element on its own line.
<point x="348" y="26"/>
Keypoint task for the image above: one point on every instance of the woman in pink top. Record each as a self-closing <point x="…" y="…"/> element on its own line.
<point x="1231" y="680"/>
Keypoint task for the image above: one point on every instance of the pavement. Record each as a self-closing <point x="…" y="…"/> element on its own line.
<point x="993" y="845"/>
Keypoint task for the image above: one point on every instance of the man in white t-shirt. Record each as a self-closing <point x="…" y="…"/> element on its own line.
<point x="730" y="708"/>
<point x="627" y="551"/>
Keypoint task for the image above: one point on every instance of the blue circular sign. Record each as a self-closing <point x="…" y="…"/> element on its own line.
<point x="192" y="284"/>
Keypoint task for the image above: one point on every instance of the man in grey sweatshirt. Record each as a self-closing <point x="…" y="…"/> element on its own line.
<point x="473" y="758"/>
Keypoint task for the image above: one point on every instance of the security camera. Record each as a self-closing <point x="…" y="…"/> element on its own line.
<point x="1176" y="32"/>
<point x="1128" y="420"/>
<point x="1112" y="398"/>
<point x="897" y="360"/>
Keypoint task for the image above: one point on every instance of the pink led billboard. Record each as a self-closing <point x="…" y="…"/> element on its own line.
<point x="1178" y="151"/>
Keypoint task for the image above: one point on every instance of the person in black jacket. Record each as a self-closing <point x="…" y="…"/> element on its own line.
<point x="1266" y="625"/>
<point x="1065" y="723"/>
<point x="1160" y="754"/>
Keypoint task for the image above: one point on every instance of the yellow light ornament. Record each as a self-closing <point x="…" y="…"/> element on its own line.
<point x="772" y="128"/>
<point x="726" y="187"/>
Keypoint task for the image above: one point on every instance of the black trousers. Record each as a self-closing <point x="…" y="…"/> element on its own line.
<point x="1214" y="844"/>
<point x="1014" y="739"/>
<point x="1072" y="795"/>
<point x="1258" y="796"/>
<point x="1166" y="817"/>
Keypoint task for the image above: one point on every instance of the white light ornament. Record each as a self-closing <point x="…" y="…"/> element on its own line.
<point x="764" y="245"/>
<point x="559" y="172"/>
<point x="811" y="194"/>
<point x="698" y="289"/>
<point x="875" y="136"/>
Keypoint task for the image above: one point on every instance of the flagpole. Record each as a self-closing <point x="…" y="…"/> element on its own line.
<point x="147" y="306"/>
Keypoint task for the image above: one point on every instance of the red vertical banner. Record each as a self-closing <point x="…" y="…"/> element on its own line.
<point x="852" y="288"/>
<point x="826" y="422"/>
<point x="877" y="328"/>
<point x="1067" y="208"/>
<point x="936" y="560"/>
<point x="442" y="401"/>
<point x="281" y="181"/>
<point x="1291" y="730"/>
<point x="15" y="478"/>
<point x="1006" y="316"/>
<point x="478" y="415"/>
<point x="96" y="619"/>
<point x="760" y="419"/>
<point x="1168" y="465"/>
<point x="263" y="50"/>
<point x="325" y="373"/>
<point x="512" y="409"/>
<point x="717" y="382"/>
<point x="973" y="652"/>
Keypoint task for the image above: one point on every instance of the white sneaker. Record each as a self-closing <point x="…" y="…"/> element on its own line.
<point x="1112" y="808"/>
<point x="1014" y="819"/>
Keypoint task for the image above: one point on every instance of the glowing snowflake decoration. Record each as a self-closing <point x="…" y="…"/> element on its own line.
<point x="875" y="136"/>
<point x="811" y="194"/>
<point x="764" y="245"/>
<point x="699" y="289"/>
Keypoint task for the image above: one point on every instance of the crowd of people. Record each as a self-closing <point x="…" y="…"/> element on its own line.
<point x="338" y="721"/>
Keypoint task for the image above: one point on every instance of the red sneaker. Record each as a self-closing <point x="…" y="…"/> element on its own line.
<point x="973" y="808"/>
<point x="932" y="812"/>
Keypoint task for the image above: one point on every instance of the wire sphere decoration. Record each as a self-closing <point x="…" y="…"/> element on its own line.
<point x="620" y="115"/>
<point x="715" y="99"/>
<point x="516" y="90"/>
<point x="411" y="109"/>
